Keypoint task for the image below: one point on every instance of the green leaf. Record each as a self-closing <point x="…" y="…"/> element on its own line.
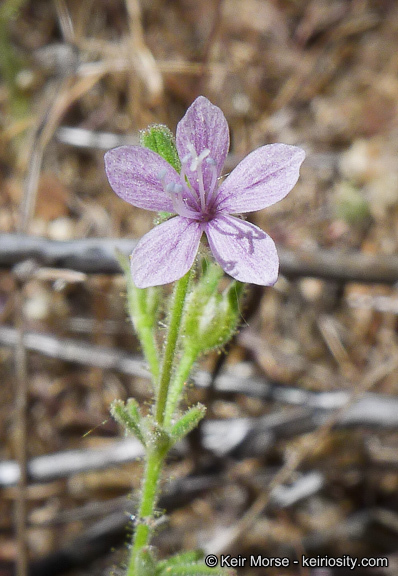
<point x="182" y="558"/>
<point x="160" y="139"/>
<point x="193" y="570"/>
<point x="187" y="422"/>
<point x="128" y="415"/>
<point x="188" y="563"/>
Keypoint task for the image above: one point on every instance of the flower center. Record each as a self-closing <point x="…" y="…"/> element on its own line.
<point x="193" y="196"/>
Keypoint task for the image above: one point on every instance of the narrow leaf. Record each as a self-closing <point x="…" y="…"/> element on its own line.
<point x="129" y="417"/>
<point x="187" y="422"/>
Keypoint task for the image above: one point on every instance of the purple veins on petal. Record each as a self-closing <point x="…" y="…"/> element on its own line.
<point x="203" y="127"/>
<point x="166" y="253"/>
<point x="243" y="250"/>
<point x="261" y="179"/>
<point x="146" y="180"/>
<point x="136" y="175"/>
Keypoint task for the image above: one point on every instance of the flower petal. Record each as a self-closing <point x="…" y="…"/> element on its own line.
<point x="264" y="177"/>
<point x="166" y="253"/>
<point x="204" y="126"/>
<point x="134" y="174"/>
<point x="244" y="251"/>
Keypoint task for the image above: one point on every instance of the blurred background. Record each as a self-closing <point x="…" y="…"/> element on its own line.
<point x="302" y="427"/>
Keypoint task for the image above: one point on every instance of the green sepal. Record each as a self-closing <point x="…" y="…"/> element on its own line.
<point x="129" y="416"/>
<point x="159" y="138"/>
<point x="162" y="217"/>
<point x="187" y="422"/>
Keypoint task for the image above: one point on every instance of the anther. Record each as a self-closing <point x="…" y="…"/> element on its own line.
<point x="170" y="187"/>
<point x="162" y="174"/>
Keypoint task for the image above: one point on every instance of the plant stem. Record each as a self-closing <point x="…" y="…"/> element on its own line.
<point x="155" y="456"/>
<point x="177" y="307"/>
<point x="182" y="372"/>
<point x="137" y="303"/>
<point x="141" y="306"/>
<point x="144" y="526"/>
<point x="150" y="351"/>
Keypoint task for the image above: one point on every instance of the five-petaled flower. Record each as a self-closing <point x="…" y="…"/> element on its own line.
<point x="200" y="203"/>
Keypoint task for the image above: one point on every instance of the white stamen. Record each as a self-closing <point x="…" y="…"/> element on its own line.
<point x="185" y="198"/>
<point x="189" y="192"/>
<point x="170" y="187"/>
<point x="192" y="150"/>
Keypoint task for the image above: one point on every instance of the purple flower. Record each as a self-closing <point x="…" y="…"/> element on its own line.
<point x="201" y="204"/>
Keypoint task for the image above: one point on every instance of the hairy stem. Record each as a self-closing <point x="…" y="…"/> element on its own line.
<point x="155" y="456"/>
<point x="182" y="372"/>
<point x="145" y="520"/>
<point x="177" y="307"/>
<point x="150" y="350"/>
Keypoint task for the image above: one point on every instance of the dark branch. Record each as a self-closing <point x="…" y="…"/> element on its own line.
<point x="369" y="410"/>
<point x="91" y="255"/>
<point x="97" y="255"/>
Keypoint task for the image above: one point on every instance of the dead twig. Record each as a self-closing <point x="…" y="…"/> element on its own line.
<point x="97" y="255"/>
<point x="296" y="457"/>
<point x="369" y="410"/>
<point x="21" y="429"/>
<point x="111" y="529"/>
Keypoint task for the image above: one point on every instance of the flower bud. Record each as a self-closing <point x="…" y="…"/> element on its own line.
<point x="211" y="317"/>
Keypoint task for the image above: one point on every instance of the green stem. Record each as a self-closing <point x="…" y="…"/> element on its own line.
<point x="180" y="377"/>
<point x="144" y="526"/>
<point x="177" y="307"/>
<point x="145" y="330"/>
<point x="155" y="457"/>
<point x="141" y="306"/>
<point x="149" y="348"/>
